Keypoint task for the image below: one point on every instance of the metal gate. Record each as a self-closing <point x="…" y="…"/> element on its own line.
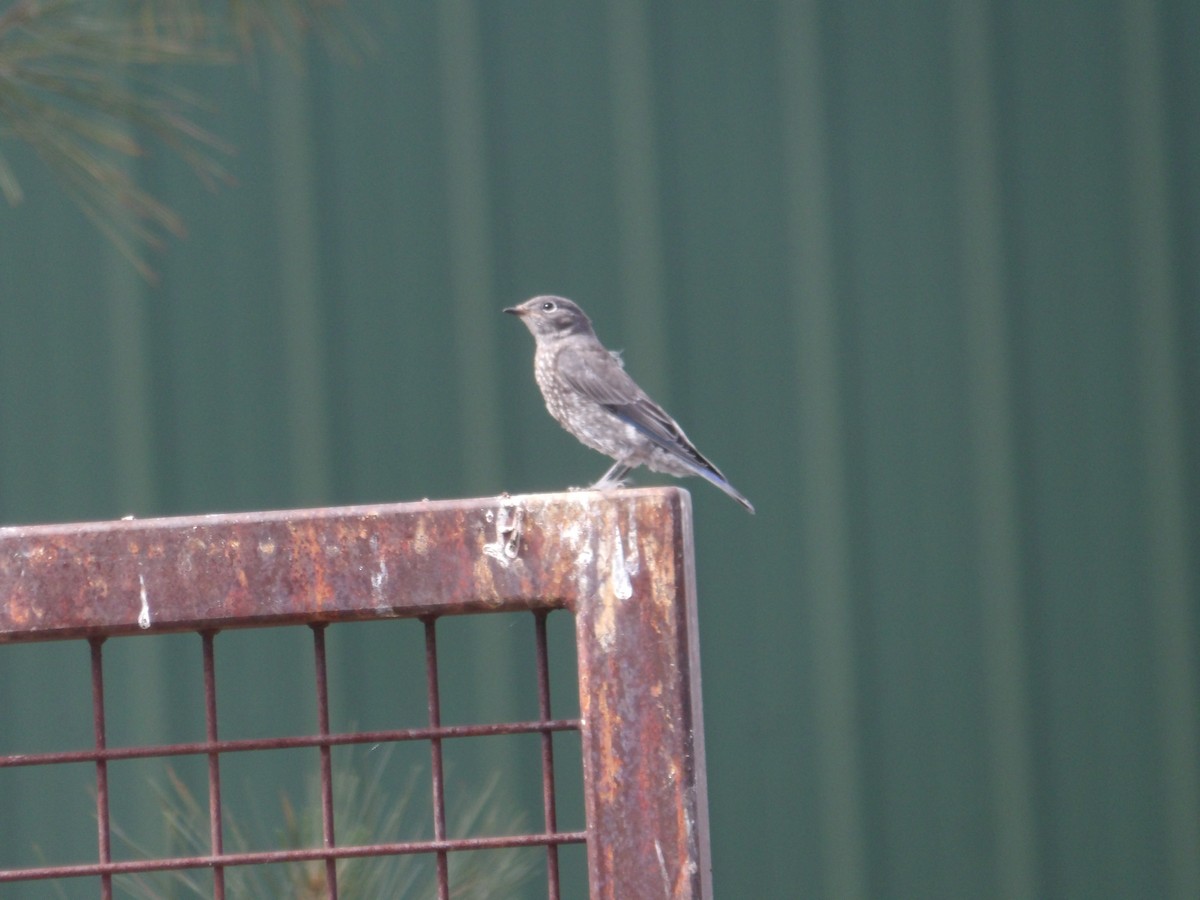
<point x="620" y="563"/>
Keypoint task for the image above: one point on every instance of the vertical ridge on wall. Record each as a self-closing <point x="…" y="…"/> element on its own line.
<point x="1171" y="588"/>
<point x="472" y="300"/>
<point x="826" y="581"/>
<point x="295" y="178"/>
<point x="130" y="380"/>
<point x="992" y="421"/>
<point x="641" y="263"/>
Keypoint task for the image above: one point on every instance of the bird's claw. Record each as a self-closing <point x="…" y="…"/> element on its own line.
<point x="603" y="485"/>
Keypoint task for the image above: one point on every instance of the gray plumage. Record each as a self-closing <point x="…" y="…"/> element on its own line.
<point x="588" y="391"/>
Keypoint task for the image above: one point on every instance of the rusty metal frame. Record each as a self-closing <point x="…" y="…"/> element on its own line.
<point x="621" y="562"/>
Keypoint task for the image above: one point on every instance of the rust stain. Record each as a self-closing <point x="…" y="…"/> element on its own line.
<point x="485" y="580"/>
<point x="18" y="610"/>
<point x="611" y="765"/>
<point x="604" y="621"/>
<point x="420" y="539"/>
<point x="662" y="585"/>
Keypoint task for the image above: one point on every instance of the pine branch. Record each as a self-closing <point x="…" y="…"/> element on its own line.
<point x="80" y="84"/>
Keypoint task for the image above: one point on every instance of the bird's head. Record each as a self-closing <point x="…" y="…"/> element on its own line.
<point x="549" y="317"/>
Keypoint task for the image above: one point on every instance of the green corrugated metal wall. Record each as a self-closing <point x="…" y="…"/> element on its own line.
<point x="922" y="279"/>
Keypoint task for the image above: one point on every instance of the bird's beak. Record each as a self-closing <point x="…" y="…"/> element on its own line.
<point x="515" y="311"/>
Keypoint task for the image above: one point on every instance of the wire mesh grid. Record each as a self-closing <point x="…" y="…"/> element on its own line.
<point x="639" y="726"/>
<point x="329" y="852"/>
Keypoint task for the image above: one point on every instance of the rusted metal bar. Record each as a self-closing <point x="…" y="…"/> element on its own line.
<point x="435" y="751"/>
<point x="352" y="563"/>
<point x="103" y="822"/>
<point x="216" y="842"/>
<point x="267" y="857"/>
<point x="639" y="693"/>
<point x="548" y="807"/>
<point x="147" y="751"/>
<point x="327" y="830"/>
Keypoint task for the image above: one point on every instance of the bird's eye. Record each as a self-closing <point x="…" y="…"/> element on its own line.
<point x="549" y="306"/>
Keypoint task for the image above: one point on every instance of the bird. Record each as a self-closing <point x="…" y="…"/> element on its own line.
<point x="587" y="389"/>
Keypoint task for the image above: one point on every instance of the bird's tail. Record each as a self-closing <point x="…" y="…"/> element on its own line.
<point x="719" y="480"/>
<point x="715" y="477"/>
<point x="653" y="422"/>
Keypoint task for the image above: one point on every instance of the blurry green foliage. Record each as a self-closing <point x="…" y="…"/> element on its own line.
<point x="85" y="83"/>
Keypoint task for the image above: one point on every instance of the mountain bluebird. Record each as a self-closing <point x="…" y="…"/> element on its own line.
<point x="588" y="392"/>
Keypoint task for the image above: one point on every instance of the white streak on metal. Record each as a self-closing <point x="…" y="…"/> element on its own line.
<point x="662" y="867"/>
<point x="510" y="526"/>
<point x="578" y="540"/>
<point x="633" y="559"/>
<point x="622" y="586"/>
<point x="144" y="614"/>
<point x="380" y="576"/>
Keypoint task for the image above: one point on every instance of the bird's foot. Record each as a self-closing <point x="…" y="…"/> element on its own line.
<point x="607" y="484"/>
<point x="612" y="479"/>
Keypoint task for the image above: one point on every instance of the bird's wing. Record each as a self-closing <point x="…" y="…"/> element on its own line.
<point x="600" y="376"/>
<point x="594" y="373"/>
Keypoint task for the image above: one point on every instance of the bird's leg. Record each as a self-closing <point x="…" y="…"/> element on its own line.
<point x="612" y="478"/>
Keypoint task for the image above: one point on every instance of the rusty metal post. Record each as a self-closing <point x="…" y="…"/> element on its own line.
<point x="639" y="693"/>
